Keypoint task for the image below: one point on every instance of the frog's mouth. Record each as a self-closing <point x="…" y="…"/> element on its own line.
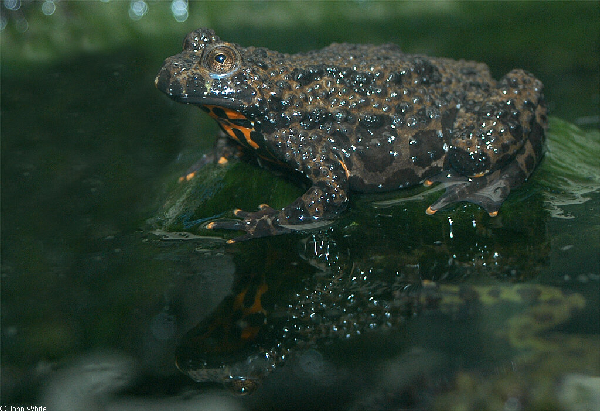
<point x="231" y="103"/>
<point x="198" y="91"/>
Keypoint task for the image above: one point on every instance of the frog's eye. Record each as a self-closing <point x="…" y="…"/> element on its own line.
<point x="221" y="60"/>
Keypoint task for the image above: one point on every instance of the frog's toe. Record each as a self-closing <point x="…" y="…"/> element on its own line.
<point x="262" y="223"/>
<point x="222" y="152"/>
<point x="198" y="165"/>
<point x="226" y="225"/>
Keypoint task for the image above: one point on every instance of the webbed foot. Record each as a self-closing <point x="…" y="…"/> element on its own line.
<point x="488" y="191"/>
<point x="262" y="223"/>
<point x="313" y="210"/>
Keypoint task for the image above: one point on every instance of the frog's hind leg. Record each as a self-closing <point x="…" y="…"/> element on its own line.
<point x="495" y="145"/>
<point x="490" y="190"/>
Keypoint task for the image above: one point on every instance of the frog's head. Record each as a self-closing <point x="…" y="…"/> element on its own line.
<point x="208" y="72"/>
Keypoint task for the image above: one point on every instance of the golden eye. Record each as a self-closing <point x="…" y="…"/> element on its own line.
<point x="221" y="60"/>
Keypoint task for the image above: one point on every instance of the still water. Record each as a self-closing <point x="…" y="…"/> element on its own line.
<point x="114" y="296"/>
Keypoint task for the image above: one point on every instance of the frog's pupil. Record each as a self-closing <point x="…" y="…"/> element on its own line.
<point x="220" y="58"/>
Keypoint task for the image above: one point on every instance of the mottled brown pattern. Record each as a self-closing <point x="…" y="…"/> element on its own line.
<point x="365" y="118"/>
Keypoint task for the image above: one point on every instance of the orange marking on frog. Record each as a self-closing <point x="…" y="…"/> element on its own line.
<point x="246" y="131"/>
<point x="232" y="114"/>
<point x="345" y="168"/>
<point x="229" y="130"/>
<point x="229" y="127"/>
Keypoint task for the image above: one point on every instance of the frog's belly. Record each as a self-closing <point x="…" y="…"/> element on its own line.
<point x="378" y="176"/>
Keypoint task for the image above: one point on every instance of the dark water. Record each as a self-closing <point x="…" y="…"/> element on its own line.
<point x="387" y="308"/>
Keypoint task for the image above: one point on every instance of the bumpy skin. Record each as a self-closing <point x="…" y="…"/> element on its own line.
<point x="363" y="118"/>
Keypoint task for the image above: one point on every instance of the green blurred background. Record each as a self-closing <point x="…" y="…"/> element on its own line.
<point x="558" y="41"/>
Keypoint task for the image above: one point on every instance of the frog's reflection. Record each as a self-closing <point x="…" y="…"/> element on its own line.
<point x="242" y="341"/>
<point x="337" y="290"/>
<point x="228" y="346"/>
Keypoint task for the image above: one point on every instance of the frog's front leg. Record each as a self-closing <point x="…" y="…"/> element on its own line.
<point x="223" y="151"/>
<point x="326" y="198"/>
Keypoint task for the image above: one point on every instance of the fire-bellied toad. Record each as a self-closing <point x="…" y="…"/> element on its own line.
<point x="363" y="118"/>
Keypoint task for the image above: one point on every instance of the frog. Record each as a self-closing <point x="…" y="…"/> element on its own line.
<point x="362" y="118"/>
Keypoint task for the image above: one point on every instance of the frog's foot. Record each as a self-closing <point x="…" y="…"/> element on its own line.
<point x="224" y="150"/>
<point x="313" y="210"/>
<point x="488" y="191"/>
<point x="198" y="165"/>
<point x="262" y="223"/>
